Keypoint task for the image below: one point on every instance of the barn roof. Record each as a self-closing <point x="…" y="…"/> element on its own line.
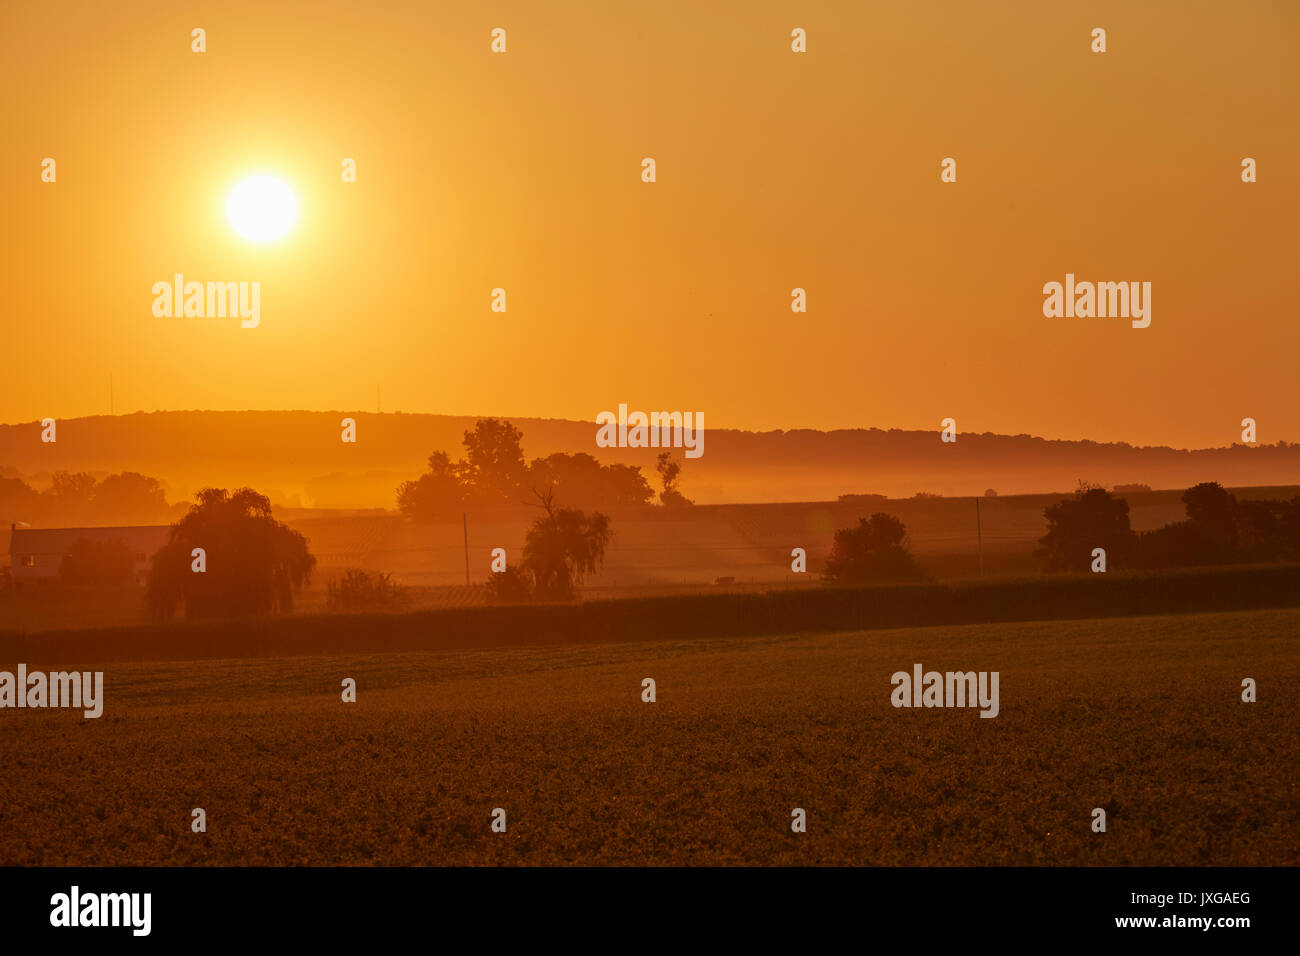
<point x="144" y="538"/>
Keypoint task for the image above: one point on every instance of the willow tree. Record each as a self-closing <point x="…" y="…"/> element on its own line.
<point x="229" y="557"/>
<point x="562" y="547"/>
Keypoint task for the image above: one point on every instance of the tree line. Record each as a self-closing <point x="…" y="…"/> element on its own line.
<point x="493" y="473"/>
<point x="1218" y="529"/>
<point x="77" y="498"/>
<point x="228" y="556"/>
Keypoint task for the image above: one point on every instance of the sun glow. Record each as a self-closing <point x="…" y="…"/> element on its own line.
<point x="262" y="208"/>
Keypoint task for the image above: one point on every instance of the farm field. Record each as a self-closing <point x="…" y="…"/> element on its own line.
<point x="1140" y="716"/>
<point x="658" y="548"/>
<point x="653" y="551"/>
<point x="654" y="547"/>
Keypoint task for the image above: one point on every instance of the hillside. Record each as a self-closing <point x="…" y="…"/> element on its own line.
<point x="298" y="459"/>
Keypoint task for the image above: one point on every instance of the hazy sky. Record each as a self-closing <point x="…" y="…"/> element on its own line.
<point x="775" y="170"/>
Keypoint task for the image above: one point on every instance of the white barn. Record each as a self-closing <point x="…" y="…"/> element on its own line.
<point x="35" y="554"/>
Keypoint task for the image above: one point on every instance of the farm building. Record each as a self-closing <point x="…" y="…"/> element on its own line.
<point x="35" y="554"/>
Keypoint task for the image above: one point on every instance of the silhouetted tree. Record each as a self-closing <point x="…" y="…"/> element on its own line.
<point x="1219" y="529"/>
<point x="254" y="563"/>
<point x="562" y="547"/>
<point x="583" y="480"/>
<point x="97" y="562"/>
<point x="1075" y="526"/>
<point x="70" y="497"/>
<point x="78" y="487"/>
<point x="1179" y="544"/>
<point x="435" y="494"/>
<point x="670" y="469"/>
<point x="494" y="457"/>
<point x="875" y="552"/>
<point x="1213" y="509"/>
<point x="1261" y="530"/>
<point x="17" y="497"/>
<point x="76" y="498"/>
<point x="130" y="498"/>
<point x="493" y="473"/>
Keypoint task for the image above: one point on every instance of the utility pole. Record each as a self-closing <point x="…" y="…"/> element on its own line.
<point x="464" y="522"/>
<point x="979" y="535"/>
<point x="110" y="393"/>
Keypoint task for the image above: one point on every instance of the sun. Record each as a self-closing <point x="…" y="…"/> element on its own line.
<point x="262" y="208"/>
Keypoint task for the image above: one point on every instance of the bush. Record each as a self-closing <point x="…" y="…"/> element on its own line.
<point x="1075" y="526"/>
<point x="511" y="586"/>
<point x="872" y="553"/>
<point x="360" y="590"/>
<point x="97" y="562"/>
<point x="1181" y="544"/>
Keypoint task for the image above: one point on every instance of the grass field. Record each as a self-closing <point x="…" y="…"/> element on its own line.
<point x="1140" y="716"/>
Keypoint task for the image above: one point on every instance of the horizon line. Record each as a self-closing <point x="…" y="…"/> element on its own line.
<point x="1281" y="442"/>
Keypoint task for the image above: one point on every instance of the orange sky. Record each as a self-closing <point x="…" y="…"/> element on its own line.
<point x="775" y="170"/>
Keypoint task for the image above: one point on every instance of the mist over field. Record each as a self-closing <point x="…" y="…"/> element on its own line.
<point x="296" y="457"/>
